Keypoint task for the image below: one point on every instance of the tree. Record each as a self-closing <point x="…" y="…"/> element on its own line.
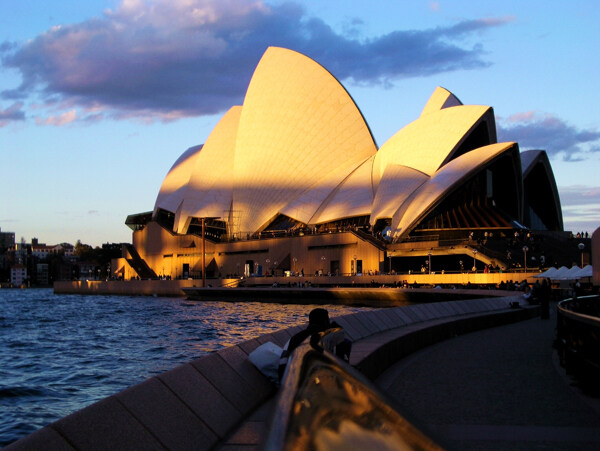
<point x="82" y="251"/>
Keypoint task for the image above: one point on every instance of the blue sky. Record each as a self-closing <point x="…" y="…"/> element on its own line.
<point x="99" y="98"/>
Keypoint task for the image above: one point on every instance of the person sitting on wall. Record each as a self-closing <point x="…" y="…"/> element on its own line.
<point x="318" y="321"/>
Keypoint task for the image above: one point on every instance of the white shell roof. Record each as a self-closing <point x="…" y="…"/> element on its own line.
<point x="210" y="189"/>
<point x="353" y="197"/>
<point x="430" y="141"/>
<point x="442" y="182"/>
<point x="297" y="123"/>
<point x="305" y="206"/>
<point x="174" y="185"/>
<point x="440" y="99"/>
<point x="397" y="183"/>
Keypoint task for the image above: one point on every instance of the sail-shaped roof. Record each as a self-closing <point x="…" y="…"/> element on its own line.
<point x="210" y="190"/>
<point x="429" y="194"/>
<point x="431" y="141"/>
<point x="298" y="123"/>
<point x="397" y="183"/>
<point x="440" y="99"/>
<point x="353" y="197"/>
<point x="173" y="188"/>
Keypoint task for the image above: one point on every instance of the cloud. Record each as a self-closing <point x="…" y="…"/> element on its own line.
<point x="434" y="6"/>
<point x="169" y="59"/>
<point x="12" y="113"/>
<point x="580" y="195"/>
<point x="534" y="130"/>
<point x="581" y="207"/>
<point x="60" y="120"/>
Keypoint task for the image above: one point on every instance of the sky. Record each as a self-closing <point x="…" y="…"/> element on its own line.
<point x="99" y="98"/>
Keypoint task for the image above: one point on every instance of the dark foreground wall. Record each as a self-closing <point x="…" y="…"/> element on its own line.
<point x="203" y="403"/>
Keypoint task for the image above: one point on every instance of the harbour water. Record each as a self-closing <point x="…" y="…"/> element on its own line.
<point x="60" y="353"/>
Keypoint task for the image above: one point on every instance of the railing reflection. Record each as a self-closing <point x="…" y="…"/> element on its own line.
<point x="578" y="334"/>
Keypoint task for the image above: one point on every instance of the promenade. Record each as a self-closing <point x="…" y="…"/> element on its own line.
<point x="496" y="389"/>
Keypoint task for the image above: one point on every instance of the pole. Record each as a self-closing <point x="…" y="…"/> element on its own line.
<point x="203" y="253"/>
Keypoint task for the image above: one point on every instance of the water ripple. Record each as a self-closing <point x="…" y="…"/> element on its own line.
<point x="60" y="353"/>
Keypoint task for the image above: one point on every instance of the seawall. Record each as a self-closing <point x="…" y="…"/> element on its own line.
<point x="373" y="297"/>
<point x="352" y="284"/>
<point x="126" y="287"/>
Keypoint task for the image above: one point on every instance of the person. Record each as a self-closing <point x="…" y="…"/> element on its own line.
<point x="545" y="299"/>
<point x="318" y="321"/>
<point x="576" y="289"/>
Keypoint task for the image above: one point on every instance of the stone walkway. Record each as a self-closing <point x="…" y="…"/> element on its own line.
<point x="495" y="389"/>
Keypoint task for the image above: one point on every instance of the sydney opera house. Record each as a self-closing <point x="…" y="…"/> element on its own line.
<point x="292" y="180"/>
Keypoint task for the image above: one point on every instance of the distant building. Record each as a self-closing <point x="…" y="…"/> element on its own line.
<point x="42" y="274"/>
<point x="42" y="250"/>
<point x="18" y="274"/>
<point x="87" y="270"/>
<point x="7" y="240"/>
<point x="68" y="250"/>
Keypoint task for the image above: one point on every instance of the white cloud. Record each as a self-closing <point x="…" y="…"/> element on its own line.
<point x="165" y="59"/>
<point x="60" y="120"/>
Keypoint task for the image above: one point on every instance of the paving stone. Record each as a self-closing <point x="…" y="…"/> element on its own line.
<point x="460" y="307"/>
<point x="236" y="359"/>
<point x="249" y="345"/>
<point x="281" y="337"/>
<point x="166" y="416"/>
<point x="106" y="425"/>
<point x="348" y="327"/>
<point x="444" y="308"/>
<point x="198" y="394"/>
<point x="372" y="319"/>
<point x="411" y="314"/>
<point x="384" y="317"/>
<point x="399" y="319"/>
<point x="231" y="385"/>
<point x="430" y="311"/>
<point x="358" y="326"/>
<point x="45" y="438"/>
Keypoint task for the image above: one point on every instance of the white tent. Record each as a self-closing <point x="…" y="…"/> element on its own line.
<point x="547" y="274"/>
<point x="574" y="273"/>
<point x="561" y="273"/>
<point x="580" y="273"/>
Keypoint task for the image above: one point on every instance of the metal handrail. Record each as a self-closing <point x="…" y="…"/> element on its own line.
<point x="569" y="307"/>
<point x="578" y="333"/>
<point x="315" y="406"/>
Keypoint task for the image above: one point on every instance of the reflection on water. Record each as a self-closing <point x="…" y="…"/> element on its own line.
<point x="59" y="353"/>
